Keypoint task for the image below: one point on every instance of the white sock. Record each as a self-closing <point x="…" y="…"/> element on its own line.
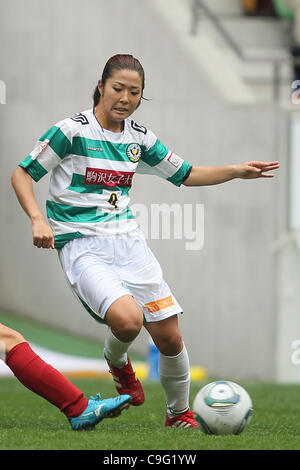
<point x="175" y="378"/>
<point x="115" y="350"/>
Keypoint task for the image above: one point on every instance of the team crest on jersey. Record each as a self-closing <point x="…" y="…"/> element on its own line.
<point x="134" y="152"/>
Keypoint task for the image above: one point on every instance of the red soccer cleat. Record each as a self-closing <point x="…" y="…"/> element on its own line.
<point x="126" y="383"/>
<point x="185" y="420"/>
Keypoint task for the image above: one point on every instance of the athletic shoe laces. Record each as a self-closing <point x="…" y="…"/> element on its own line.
<point x="97" y="398"/>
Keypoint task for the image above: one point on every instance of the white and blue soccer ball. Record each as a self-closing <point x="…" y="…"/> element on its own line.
<point x="222" y="407"/>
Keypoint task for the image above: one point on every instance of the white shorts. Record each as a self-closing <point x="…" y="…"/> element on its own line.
<point x="102" y="269"/>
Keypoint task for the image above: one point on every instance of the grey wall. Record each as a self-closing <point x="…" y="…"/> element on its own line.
<point x="52" y="56"/>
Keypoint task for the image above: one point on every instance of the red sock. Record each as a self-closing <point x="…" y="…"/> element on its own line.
<point x="43" y="379"/>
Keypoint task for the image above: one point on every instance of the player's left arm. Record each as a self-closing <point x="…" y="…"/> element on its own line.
<point x="209" y="175"/>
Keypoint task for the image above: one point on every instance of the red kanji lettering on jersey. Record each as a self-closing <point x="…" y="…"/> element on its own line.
<point x="108" y="178"/>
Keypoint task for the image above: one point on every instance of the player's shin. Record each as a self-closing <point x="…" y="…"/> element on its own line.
<point x="115" y="350"/>
<point x="119" y="363"/>
<point x="174" y="374"/>
<point x="43" y="379"/>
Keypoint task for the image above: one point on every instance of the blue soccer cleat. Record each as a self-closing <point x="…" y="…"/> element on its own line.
<point x="98" y="409"/>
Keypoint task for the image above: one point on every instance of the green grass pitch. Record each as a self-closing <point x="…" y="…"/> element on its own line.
<point x="29" y="422"/>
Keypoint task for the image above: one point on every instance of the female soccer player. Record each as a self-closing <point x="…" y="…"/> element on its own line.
<point x="42" y="379"/>
<point x="111" y="270"/>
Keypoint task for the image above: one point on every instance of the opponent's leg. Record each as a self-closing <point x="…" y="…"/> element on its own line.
<point x="174" y="371"/>
<point x="9" y="338"/>
<point x="39" y="377"/>
<point x="46" y="381"/>
<point x="125" y="320"/>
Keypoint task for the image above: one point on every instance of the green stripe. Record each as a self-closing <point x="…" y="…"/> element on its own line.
<point x="34" y="168"/>
<point x="58" y="141"/>
<point x="61" y="240"/>
<point x="178" y="177"/>
<point x="155" y="154"/>
<point x="102" y="149"/>
<point x="65" y="213"/>
<point x="78" y="185"/>
<point x="91" y="312"/>
<point x="94" y="314"/>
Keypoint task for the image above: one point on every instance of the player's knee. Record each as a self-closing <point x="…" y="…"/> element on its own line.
<point x="171" y="344"/>
<point x="9" y="337"/>
<point x="125" y="320"/>
<point x="128" y="329"/>
<point x="126" y="326"/>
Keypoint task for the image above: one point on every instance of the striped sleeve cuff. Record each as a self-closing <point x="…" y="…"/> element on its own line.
<point x="178" y="178"/>
<point x="33" y="168"/>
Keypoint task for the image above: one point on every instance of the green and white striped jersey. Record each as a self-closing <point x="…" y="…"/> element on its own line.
<point x="92" y="173"/>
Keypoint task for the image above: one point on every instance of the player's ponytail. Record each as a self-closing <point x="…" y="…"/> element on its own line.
<point x="119" y="62"/>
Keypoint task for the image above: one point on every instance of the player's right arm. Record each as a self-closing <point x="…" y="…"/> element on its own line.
<point x="41" y="232"/>
<point x="49" y="151"/>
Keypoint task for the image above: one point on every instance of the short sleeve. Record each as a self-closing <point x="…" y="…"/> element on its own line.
<point x="158" y="160"/>
<point x="50" y="149"/>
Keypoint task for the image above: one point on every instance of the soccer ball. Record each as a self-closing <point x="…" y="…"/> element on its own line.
<point x="222" y="407"/>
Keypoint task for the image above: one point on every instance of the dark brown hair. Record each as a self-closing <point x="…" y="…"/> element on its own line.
<point x="119" y="62"/>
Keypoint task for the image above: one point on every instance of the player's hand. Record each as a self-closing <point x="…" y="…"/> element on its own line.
<point x="256" y="169"/>
<point x="42" y="234"/>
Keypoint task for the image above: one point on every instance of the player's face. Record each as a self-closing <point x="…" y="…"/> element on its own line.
<point x="121" y="95"/>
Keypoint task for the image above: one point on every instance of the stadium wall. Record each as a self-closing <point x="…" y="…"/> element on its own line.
<point x="53" y="56"/>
